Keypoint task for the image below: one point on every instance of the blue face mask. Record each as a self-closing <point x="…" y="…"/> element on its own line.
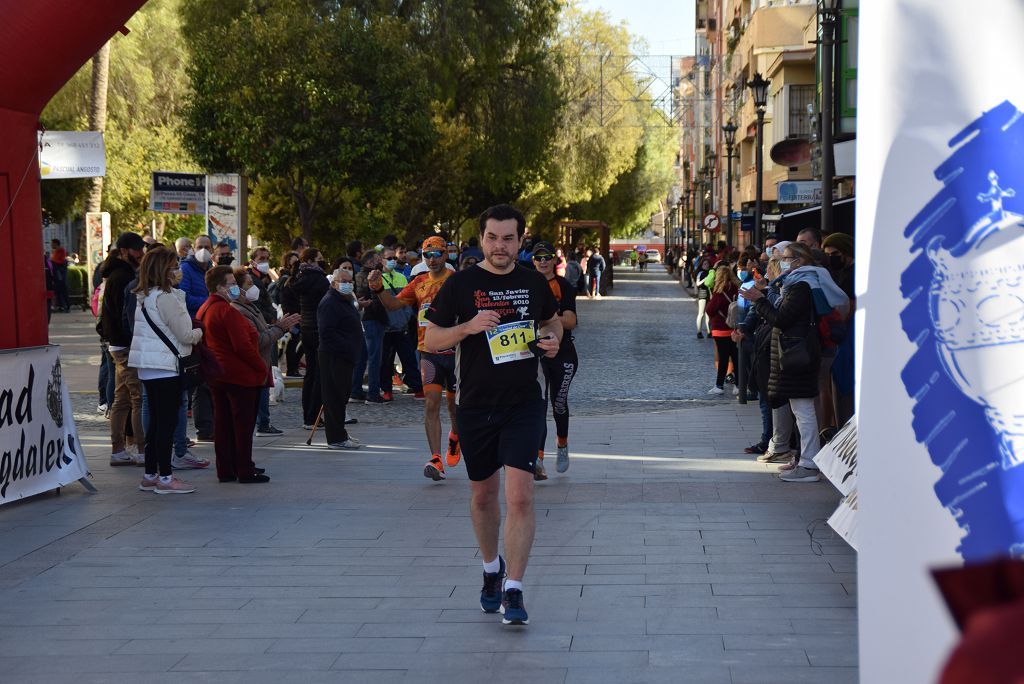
<point x="743" y="275"/>
<point x="785" y="265"/>
<point x="390" y="264"/>
<point x="345" y="288"/>
<point x="234" y="291"/>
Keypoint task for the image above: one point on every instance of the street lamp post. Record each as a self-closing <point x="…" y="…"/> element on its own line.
<point x="829" y="11"/>
<point x="712" y="158"/>
<point x="729" y="131"/>
<point x="759" y="89"/>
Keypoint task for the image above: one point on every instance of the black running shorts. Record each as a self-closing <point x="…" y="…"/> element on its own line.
<point x="500" y="436"/>
<point x="437" y="370"/>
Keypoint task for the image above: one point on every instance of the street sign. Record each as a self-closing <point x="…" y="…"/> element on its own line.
<point x="712" y="221"/>
<point x="737" y="215"/>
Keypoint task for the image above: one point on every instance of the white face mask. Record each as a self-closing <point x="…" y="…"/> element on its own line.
<point x="345" y="288"/>
<point x="203" y="255"/>
<point x="253" y="293"/>
<point x="191" y="252"/>
<point x="785" y="265"/>
<point x="263" y="267"/>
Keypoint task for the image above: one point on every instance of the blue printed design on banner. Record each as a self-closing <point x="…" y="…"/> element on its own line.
<point x="965" y="314"/>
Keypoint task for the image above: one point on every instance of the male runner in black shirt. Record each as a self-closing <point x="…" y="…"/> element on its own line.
<point x="500" y="317"/>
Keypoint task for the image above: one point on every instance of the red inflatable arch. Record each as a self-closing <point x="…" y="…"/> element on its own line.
<point x="42" y="45"/>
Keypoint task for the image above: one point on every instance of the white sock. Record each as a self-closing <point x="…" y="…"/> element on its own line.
<point x="513" y="584"/>
<point x="491" y="567"/>
<point x="166" y="479"/>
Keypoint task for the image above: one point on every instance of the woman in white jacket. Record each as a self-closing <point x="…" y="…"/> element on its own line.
<point x="160" y="302"/>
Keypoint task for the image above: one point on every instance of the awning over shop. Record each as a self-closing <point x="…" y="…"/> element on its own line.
<point x="792" y="222"/>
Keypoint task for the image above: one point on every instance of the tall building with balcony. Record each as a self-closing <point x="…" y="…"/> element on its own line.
<point x="736" y="39"/>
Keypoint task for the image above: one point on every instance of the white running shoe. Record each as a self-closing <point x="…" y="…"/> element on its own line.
<point x="716" y="390"/>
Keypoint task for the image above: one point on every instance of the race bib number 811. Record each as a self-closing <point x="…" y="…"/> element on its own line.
<point x="510" y="341"/>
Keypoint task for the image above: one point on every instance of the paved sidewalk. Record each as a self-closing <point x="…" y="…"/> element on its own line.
<point x="664" y="554"/>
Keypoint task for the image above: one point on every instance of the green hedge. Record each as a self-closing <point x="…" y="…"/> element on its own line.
<point x="79" y="291"/>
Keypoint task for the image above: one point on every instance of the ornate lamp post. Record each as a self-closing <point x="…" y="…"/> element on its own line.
<point x="759" y="90"/>
<point x="829" y="13"/>
<point x="729" y="131"/>
<point x="712" y="158"/>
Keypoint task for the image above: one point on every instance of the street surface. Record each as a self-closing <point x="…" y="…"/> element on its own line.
<point x="665" y="554"/>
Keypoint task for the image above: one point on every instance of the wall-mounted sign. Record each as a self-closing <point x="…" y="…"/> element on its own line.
<point x="71" y="154"/>
<point x="800" y="192"/>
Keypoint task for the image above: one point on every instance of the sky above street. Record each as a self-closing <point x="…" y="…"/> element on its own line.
<point x="666" y="25"/>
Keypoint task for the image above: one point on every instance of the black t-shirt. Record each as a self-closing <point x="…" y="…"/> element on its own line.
<point x="495" y="368"/>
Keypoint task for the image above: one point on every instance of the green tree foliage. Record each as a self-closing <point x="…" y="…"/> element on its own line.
<point x="311" y="96"/>
<point x="612" y="156"/>
<point x="146" y="93"/>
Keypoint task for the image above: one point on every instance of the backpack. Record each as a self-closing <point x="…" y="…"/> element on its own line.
<point x="832" y="329"/>
<point x="274" y="289"/>
<point x="732" y="314"/>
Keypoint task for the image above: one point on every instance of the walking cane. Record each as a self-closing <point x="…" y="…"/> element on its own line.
<point x="315" y="424"/>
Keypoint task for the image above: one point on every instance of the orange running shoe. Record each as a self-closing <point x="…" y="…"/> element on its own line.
<point x="434" y="469"/>
<point x="454" y="451"/>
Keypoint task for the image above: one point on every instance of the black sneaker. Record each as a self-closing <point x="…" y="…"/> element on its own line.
<point x="490" y="595"/>
<point x="375" y="399"/>
<point x="268" y="431"/>
<point x="512" y="608"/>
<point x="758" y="448"/>
<point x="700" y="336"/>
<point x="730" y="379"/>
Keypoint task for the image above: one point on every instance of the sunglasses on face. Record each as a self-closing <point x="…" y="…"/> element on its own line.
<point x="543" y="259"/>
<point x="433" y="254"/>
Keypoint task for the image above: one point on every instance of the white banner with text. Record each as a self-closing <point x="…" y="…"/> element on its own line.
<point x="39" y="447"/>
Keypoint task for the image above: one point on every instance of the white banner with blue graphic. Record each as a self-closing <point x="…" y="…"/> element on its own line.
<point x="940" y="282"/>
<point x="39" y="447"/>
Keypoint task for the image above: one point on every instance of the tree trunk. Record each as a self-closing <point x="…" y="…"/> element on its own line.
<point x="98" y="116"/>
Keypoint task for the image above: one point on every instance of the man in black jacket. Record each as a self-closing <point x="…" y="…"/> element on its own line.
<point x="341" y="340"/>
<point x="309" y="284"/>
<point x="118" y="270"/>
<point x="259" y="269"/>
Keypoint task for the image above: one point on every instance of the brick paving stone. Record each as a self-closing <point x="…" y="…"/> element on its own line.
<point x="664" y="554"/>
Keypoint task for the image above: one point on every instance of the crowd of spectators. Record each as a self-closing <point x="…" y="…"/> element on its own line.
<point x="781" y="319"/>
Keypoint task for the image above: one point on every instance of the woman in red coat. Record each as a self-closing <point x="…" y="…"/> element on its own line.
<point x="723" y="294"/>
<point x="236" y="394"/>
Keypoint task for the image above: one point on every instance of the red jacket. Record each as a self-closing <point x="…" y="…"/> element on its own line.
<point x="234" y="342"/>
<point x="718" y="308"/>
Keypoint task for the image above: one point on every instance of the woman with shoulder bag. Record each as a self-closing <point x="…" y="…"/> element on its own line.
<point x="163" y="336"/>
<point x="795" y="358"/>
<point x="703" y="295"/>
<point x="726" y="287"/>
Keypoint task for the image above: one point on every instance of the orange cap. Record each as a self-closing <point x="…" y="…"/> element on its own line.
<point x="435" y="242"/>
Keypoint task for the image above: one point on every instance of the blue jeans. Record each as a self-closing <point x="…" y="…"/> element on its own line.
<point x="263" y="412"/>
<point x="180" y="440"/>
<point x="369" y="362"/>
<point x="595" y="282"/>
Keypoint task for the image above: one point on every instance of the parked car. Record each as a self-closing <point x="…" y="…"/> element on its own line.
<point x="651" y="256"/>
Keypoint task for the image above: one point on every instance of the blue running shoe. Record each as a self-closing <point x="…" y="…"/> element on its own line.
<point x="490" y="595"/>
<point x="513" y="609"/>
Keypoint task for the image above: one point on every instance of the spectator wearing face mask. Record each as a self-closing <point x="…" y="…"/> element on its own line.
<point x="268" y="335"/>
<point x="375" y="320"/>
<point x="222" y="254"/>
<point x="341" y="344"/>
<point x="235" y="344"/>
<point x="309" y="284"/>
<point x="259" y="270"/>
<point x="193" y="282"/>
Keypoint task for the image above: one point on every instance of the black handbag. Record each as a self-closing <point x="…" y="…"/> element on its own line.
<point x="189" y="367"/>
<point x="799" y="353"/>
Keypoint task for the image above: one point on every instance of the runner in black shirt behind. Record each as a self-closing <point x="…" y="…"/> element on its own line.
<point x="498" y="313"/>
